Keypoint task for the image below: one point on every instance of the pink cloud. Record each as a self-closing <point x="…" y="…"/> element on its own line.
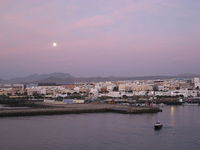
<point x="94" y="21"/>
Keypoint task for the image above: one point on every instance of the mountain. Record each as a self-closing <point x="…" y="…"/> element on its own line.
<point x="1" y="80"/>
<point x="35" y="78"/>
<point x="65" y="78"/>
<point x="188" y="75"/>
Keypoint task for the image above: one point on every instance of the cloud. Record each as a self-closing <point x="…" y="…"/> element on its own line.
<point x="121" y="13"/>
<point x="36" y="19"/>
<point x="137" y="31"/>
<point x="94" y="21"/>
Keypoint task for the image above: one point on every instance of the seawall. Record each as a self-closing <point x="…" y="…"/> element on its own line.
<point x="78" y="109"/>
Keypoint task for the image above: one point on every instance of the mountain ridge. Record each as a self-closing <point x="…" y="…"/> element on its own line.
<point x="66" y="78"/>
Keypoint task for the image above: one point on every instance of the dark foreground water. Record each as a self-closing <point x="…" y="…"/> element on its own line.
<point x="106" y="131"/>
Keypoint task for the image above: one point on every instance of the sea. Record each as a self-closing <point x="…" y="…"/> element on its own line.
<point x="104" y="131"/>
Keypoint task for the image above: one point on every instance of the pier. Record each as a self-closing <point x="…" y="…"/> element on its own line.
<point x="52" y="109"/>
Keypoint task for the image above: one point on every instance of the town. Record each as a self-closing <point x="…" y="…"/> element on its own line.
<point x="136" y="92"/>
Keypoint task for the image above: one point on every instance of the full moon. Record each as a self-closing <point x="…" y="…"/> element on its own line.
<point x="54" y="44"/>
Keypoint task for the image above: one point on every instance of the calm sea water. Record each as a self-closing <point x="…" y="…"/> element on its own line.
<point x="106" y="131"/>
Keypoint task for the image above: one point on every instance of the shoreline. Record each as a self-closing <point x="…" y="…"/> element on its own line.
<point x="78" y="109"/>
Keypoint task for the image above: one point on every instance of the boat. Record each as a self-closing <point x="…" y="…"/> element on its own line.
<point x="158" y="125"/>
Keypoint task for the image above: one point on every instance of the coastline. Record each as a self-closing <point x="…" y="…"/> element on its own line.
<point x="78" y="109"/>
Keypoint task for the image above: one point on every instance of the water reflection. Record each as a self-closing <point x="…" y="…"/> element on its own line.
<point x="172" y="115"/>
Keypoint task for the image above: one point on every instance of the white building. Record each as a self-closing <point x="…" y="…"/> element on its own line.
<point x="196" y="82"/>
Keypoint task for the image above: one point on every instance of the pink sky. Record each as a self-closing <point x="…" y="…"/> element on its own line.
<point x="99" y="38"/>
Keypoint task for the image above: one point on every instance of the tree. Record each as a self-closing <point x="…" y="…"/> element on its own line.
<point x="116" y="89"/>
<point x="155" y="88"/>
<point x="124" y="97"/>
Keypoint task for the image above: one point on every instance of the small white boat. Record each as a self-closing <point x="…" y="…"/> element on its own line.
<point x="158" y="125"/>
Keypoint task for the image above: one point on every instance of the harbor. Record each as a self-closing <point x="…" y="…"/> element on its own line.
<point x="109" y="131"/>
<point x="59" y="109"/>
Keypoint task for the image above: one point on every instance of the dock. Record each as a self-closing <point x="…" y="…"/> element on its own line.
<point x="77" y="109"/>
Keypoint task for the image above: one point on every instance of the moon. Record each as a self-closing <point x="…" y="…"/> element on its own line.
<point x="54" y="44"/>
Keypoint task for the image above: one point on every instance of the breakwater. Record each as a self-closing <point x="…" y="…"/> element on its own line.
<point x="78" y="109"/>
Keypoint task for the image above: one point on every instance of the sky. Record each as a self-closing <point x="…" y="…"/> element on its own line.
<point x="99" y="37"/>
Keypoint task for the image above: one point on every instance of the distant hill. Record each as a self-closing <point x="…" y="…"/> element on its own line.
<point x="1" y="80"/>
<point x="35" y="78"/>
<point x="188" y="75"/>
<point x="66" y="78"/>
